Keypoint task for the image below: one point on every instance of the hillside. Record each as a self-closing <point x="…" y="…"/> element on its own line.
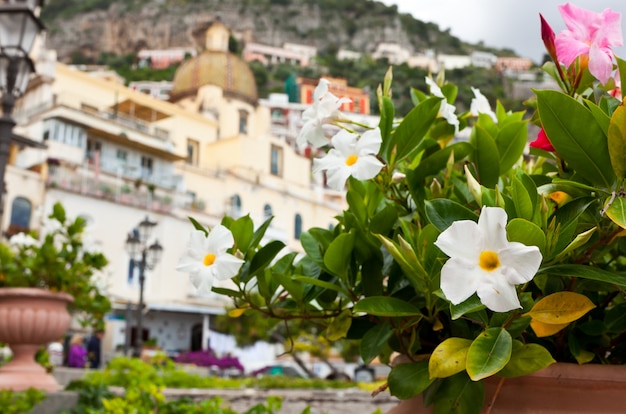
<point x="121" y="26"/>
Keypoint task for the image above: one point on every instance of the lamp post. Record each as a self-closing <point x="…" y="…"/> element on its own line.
<point x="145" y="257"/>
<point x="19" y="26"/>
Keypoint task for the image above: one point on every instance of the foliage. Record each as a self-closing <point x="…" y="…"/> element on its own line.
<point x="390" y="271"/>
<point x="61" y="262"/>
<point x="144" y="383"/>
<point x="13" y="402"/>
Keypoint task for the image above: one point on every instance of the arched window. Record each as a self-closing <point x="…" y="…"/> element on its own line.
<point x="235" y="205"/>
<point x="298" y="227"/>
<point x="267" y="212"/>
<point x="21" y="210"/>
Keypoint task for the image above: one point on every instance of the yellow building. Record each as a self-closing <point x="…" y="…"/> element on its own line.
<point x="115" y="155"/>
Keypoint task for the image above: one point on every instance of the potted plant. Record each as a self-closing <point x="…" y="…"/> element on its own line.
<point x="477" y="262"/>
<point x="40" y="281"/>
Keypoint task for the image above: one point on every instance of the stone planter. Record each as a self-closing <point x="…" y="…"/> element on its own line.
<point x="558" y="389"/>
<point x="29" y="319"/>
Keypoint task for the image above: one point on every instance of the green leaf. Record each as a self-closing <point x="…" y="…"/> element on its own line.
<point x="415" y="126"/>
<point x="259" y="233"/>
<point x="320" y="283"/>
<point x="587" y="272"/>
<point x="337" y="256"/>
<point x="617" y="141"/>
<point x="576" y="136"/>
<point x="383" y="221"/>
<point x="578" y="241"/>
<point x="459" y="395"/>
<point x="242" y="230"/>
<point x="198" y="226"/>
<point x="442" y="212"/>
<point x="434" y="163"/>
<point x="526" y="359"/>
<point x="489" y="353"/>
<point x="600" y="116"/>
<point x="522" y="200"/>
<point x="527" y="233"/>
<point x="387" y="113"/>
<point x="386" y="306"/>
<point x="485" y="157"/>
<point x="339" y="326"/>
<point x="617" y="211"/>
<point x="408" y="380"/>
<point x="449" y="357"/>
<point x="511" y="141"/>
<point x="374" y="341"/>
<point x="472" y="304"/>
<point x="264" y="256"/>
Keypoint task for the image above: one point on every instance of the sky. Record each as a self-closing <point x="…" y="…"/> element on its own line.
<point x="513" y="24"/>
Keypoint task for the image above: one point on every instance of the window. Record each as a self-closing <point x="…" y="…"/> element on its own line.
<point x="235" y="205"/>
<point x="21" y="210"/>
<point x="297" y="227"/>
<point x="193" y="148"/>
<point x="276" y="161"/>
<point x="267" y="212"/>
<point x="146" y="167"/>
<point x="121" y="155"/>
<point x="243" y="122"/>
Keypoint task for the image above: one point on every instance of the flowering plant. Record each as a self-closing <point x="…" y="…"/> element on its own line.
<point x="472" y="259"/>
<point x="61" y="262"/>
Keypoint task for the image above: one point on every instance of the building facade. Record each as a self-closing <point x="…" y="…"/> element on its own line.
<point x="115" y="155"/>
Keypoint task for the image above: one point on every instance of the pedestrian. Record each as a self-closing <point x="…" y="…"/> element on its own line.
<point x="94" y="349"/>
<point x="55" y="352"/>
<point x="77" y="355"/>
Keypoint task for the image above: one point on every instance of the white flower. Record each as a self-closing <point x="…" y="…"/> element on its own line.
<point x="351" y="156"/>
<point x="446" y="111"/>
<point x="482" y="260"/>
<point x="206" y="259"/>
<point x="23" y="240"/>
<point x="325" y="109"/>
<point x="480" y="105"/>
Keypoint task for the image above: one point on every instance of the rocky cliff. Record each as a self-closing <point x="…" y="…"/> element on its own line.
<point x="122" y="26"/>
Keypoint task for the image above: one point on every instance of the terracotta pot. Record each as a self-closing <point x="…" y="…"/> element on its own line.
<point x="559" y="388"/>
<point x="29" y="319"/>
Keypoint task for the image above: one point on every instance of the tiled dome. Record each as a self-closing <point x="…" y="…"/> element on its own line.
<point x="218" y="68"/>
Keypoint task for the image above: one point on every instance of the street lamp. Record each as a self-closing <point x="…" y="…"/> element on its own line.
<point x="145" y="257"/>
<point x="19" y="26"/>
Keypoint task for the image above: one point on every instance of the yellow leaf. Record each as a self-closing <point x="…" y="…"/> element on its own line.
<point x="584" y="356"/>
<point x="546" y="329"/>
<point x="339" y="326"/>
<point x="560" y="308"/>
<point x="448" y="358"/>
<point x="237" y="312"/>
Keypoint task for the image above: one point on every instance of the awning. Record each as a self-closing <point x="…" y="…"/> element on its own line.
<point x="136" y="110"/>
<point x="176" y="307"/>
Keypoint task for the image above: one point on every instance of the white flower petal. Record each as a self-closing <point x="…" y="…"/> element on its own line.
<point x="336" y="178"/>
<point x="227" y="266"/>
<point x="321" y="90"/>
<point x="435" y="90"/>
<point x="522" y="262"/>
<point x="344" y="142"/>
<point x="498" y="295"/>
<point x="459" y="279"/>
<point x="492" y="223"/>
<point x="220" y="239"/>
<point x="188" y="263"/>
<point x="332" y="160"/>
<point x="366" y="167"/>
<point x="369" y="143"/>
<point x="462" y="239"/>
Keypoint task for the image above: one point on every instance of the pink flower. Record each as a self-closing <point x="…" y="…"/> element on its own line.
<point x="589" y="34"/>
<point x="542" y="142"/>
<point x="547" y="35"/>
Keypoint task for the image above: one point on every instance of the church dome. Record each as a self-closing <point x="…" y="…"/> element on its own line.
<point x="219" y="68"/>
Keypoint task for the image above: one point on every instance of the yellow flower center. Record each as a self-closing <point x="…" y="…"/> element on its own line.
<point x="209" y="259"/>
<point x="351" y="159"/>
<point x="489" y="260"/>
